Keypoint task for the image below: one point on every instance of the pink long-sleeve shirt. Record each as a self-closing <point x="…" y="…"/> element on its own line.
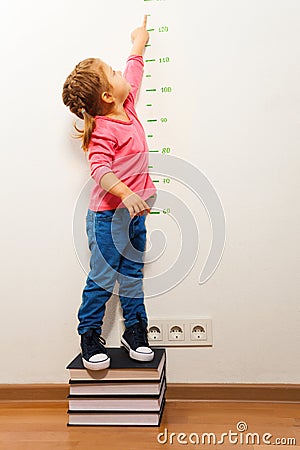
<point x="121" y="147"/>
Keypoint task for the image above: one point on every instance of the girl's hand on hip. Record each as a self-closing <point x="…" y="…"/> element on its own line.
<point x="135" y="205"/>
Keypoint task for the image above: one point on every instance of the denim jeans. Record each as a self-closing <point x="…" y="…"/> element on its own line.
<point x="117" y="243"/>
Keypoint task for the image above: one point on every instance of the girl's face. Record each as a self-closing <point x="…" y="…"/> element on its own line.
<point x="120" y="87"/>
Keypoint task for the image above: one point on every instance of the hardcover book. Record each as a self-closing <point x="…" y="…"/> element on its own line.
<point x="116" y="387"/>
<point x="115" y="403"/>
<point x="122" y="367"/>
<point x="149" y="418"/>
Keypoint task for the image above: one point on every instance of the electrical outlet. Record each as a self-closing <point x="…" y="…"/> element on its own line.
<point x="176" y="332"/>
<point x="198" y="331"/>
<point x="155" y="333"/>
<point x="180" y="332"/>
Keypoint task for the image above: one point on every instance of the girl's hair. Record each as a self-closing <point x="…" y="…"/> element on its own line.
<point x="82" y="90"/>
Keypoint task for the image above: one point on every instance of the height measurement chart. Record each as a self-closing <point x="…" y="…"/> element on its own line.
<point x="157" y="89"/>
<point x="177" y="181"/>
<point x="158" y="114"/>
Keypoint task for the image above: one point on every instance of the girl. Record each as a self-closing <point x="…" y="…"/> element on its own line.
<point x="115" y="222"/>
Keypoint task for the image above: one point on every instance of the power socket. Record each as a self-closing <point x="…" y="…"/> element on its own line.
<point x="176" y="332"/>
<point x="180" y="332"/>
<point x="155" y="333"/>
<point x="198" y="332"/>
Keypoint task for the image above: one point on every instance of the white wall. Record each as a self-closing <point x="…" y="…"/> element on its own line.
<point x="234" y="114"/>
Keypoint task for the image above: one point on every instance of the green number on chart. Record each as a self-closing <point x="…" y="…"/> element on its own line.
<point x="165" y="150"/>
<point x="166" y="89"/>
<point x="164" y="60"/>
<point x="166" y="211"/>
<point x="166" y="180"/>
<point x="163" y="29"/>
<point x="164" y="119"/>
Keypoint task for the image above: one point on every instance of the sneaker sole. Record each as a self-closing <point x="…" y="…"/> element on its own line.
<point x="136" y="355"/>
<point x="96" y="365"/>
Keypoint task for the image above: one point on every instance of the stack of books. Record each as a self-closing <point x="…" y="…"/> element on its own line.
<point x="127" y="393"/>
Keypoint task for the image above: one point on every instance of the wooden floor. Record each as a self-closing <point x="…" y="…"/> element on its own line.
<point x="43" y="426"/>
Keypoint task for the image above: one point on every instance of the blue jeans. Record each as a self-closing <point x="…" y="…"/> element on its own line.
<point x="117" y="243"/>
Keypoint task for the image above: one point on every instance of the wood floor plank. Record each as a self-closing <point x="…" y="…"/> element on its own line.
<point x="43" y="426"/>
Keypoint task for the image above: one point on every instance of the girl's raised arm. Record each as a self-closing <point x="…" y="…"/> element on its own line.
<point x="139" y="37"/>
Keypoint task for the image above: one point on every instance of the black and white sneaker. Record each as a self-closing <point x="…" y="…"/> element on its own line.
<point x="135" y="341"/>
<point x="94" y="354"/>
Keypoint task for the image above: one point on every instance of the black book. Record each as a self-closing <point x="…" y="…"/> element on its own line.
<point x="122" y="367"/>
<point x="117" y="403"/>
<point x="80" y="388"/>
<point x="117" y="418"/>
